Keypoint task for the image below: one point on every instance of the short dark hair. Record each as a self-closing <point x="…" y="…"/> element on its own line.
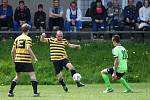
<point x="21" y="1"/>
<point x="116" y="38"/>
<point x="73" y="2"/>
<point x="40" y="6"/>
<point x="25" y="28"/>
<point x="99" y="1"/>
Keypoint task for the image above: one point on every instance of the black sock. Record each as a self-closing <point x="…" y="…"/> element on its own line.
<point x="62" y="82"/>
<point x="34" y="85"/>
<point x="13" y="84"/>
<point x="73" y="72"/>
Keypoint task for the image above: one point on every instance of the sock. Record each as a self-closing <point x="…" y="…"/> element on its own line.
<point x="124" y="83"/>
<point x="106" y="80"/>
<point x="13" y="84"/>
<point x="62" y="82"/>
<point x="34" y="85"/>
<point x="73" y="72"/>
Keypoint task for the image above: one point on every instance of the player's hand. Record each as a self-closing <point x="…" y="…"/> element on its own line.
<point x="78" y="47"/>
<point x="43" y="35"/>
<point x="35" y="60"/>
<point x="113" y="76"/>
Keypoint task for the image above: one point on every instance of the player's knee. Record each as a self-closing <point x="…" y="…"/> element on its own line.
<point x="102" y="72"/>
<point x="70" y="66"/>
<point x="16" y="79"/>
<point x="32" y="75"/>
<point x="59" y="78"/>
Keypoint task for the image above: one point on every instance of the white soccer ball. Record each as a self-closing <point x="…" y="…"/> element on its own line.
<point x="77" y="77"/>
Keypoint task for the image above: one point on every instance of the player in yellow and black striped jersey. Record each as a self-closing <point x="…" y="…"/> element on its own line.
<point x="59" y="56"/>
<point x="20" y="44"/>
<point x="22" y="56"/>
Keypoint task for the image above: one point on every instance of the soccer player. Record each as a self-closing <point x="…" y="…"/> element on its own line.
<point x="59" y="56"/>
<point x="22" y="56"/>
<point x="119" y="68"/>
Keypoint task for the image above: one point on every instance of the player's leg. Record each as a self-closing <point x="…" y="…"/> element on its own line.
<point x="73" y="71"/>
<point x="105" y="75"/>
<point x="61" y="81"/>
<point x="13" y="84"/>
<point x="123" y="82"/>
<point x="34" y="83"/>
<point x="126" y="85"/>
<point x="58" y="68"/>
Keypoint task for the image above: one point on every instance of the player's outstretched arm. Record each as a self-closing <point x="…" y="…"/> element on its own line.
<point x="74" y="46"/>
<point x="32" y="54"/>
<point x="42" y="38"/>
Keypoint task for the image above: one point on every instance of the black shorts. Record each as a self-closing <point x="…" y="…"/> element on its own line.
<point x="24" y="67"/>
<point x="111" y="71"/>
<point x="59" y="64"/>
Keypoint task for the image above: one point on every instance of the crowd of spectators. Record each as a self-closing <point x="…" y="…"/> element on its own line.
<point x="109" y="17"/>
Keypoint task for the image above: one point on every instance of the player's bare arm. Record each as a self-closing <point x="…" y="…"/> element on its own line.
<point x="32" y="54"/>
<point x="115" y="68"/>
<point x="13" y="53"/>
<point x="74" y="46"/>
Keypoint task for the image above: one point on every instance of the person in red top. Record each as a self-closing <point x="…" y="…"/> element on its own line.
<point x="98" y="14"/>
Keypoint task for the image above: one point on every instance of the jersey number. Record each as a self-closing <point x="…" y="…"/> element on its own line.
<point x="124" y="54"/>
<point x="20" y="43"/>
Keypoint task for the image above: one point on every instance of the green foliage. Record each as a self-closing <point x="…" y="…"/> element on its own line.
<point x="89" y="61"/>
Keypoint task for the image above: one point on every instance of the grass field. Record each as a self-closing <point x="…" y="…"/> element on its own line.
<point x="89" y="92"/>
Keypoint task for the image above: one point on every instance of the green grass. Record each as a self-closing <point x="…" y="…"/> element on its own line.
<point x="89" y="92"/>
<point x="89" y="61"/>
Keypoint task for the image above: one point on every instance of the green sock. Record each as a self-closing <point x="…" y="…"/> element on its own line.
<point x="124" y="83"/>
<point x="106" y="80"/>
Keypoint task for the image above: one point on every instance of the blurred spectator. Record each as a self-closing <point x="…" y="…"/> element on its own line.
<point x="138" y="6"/>
<point x="98" y="14"/>
<point x="56" y="16"/>
<point x="73" y="16"/>
<point x="144" y="15"/>
<point x="22" y="15"/>
<point x="40" y="18"/>
<point x="130" y="14"/>
<point x="6" y="15"/>
<point x="113" y="15"/>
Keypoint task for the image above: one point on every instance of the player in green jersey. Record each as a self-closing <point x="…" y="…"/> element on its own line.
<point x="120" y="66"/>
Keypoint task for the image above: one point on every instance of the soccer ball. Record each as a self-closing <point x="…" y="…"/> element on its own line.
<point x="77" y="77"/>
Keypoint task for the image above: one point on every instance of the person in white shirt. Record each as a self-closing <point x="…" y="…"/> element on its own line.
<point x="73" y="16"/>
<point x="144" y="15"/>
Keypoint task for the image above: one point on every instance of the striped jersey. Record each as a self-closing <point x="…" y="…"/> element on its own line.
<point x="20" y="44"/>
<point x="57" y="48"/>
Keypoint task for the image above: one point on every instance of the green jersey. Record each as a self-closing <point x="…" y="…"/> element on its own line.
<point x="121" y="53"/>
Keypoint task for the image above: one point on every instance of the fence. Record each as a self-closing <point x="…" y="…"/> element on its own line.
<point x="92" y="35"/>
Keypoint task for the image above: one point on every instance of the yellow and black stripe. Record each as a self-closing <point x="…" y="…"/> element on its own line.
<point x="20" y="44"/>
<point x="57" y="48"/>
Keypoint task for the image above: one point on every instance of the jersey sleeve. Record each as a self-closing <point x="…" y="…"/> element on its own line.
<point x="115" y="52"/>
<point x="29" y="42"/>
<point x="66" y="42"/>
<point x="48" y="40"/>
